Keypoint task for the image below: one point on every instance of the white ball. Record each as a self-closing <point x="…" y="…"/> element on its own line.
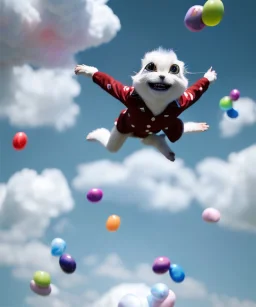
<point x="130" y="300"/>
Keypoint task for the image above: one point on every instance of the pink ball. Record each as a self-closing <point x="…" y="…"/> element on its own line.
<point x="169" y="301"/>
<point x="193" y="19"/>
<point x="234" y="95"/>
<point x="43" y="291"/>
<point x="211" y="215"/>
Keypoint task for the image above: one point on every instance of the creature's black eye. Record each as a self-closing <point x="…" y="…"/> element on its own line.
<point x="151" y="67"/>
<point x="174" y="69"/>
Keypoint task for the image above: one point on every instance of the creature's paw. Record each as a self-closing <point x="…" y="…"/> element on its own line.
<point x="201" y="127"/>
<point x="85" y="70"/>
<point x="100" y="134"/>
<point x="211" y="75"/>
<point x="195" y="127"/>
<point x="170" y="156"/>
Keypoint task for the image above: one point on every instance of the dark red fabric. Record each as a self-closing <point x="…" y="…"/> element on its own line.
<point x="138" y="119"/>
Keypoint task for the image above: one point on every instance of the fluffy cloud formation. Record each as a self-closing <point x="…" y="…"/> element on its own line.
<point x="90" y="298"/>
<point x="226" y="185"/>
<point x="30" y="201"/>
<point x="113" y="267"/>
<point x="47" y="34"/>
<point x="135" y="281"/>
<point x="37" y="98"/>
<point x="138" y="177"/>
<point x="229" y="186"/>
<point x="230" y="302"/>
<point x="247" y="117"/>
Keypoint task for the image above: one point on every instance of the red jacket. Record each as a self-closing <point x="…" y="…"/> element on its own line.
<point x="138" y="119"/>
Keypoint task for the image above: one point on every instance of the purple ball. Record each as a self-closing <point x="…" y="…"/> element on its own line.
<point x="67" y="264"/>
<point x="234" y="95"/>
<point x="94" y="195"/>
<point x="193" y="19"/>
<point x="161" y="265"/>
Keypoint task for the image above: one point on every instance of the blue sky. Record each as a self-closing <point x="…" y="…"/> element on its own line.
<point x="218" y="259"/>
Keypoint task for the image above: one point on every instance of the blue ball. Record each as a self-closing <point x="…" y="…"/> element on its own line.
<point x="160" y="292"/>
<point x="176" y="273"/>
<point x="232" y="113"/>
<point x="58" y="247"/>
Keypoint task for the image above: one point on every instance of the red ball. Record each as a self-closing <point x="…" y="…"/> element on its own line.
<point x="19" y="141"/>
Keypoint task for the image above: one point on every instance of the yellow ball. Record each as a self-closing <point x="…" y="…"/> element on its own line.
<point x="213" y="12"/>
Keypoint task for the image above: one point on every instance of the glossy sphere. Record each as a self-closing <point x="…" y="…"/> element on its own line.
<point x="113" y="223"/>
<point x="176" y="273"/>
<point x="58" y="247"/>
<point x="213" y="12"/>
<point x="95" y="195"/>
<point x="44" y="291"/>
<point x="129" y="300"/>
<point x="169" y="301"/>
<point x="226" y="103"/>
<point x="232" y="113"/>
<point x="67" y="264"/>
<point x="193" y="19"/>
<point x="211" y="215"/>
<point x="160" y="291"/>
<point x="161" y="265"/>
<point x="19" y="141"/>
<point x="42" y="279"/>
<point x="234" y="95"/>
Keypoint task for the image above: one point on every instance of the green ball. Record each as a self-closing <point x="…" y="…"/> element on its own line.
<point x="226" y="103"/>
<point x="213" y="12"/>
<point x="42" y="279"/>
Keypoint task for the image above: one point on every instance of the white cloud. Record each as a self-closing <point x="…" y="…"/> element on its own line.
<point x="138" y="177"/>
<point x="224" y="301"/>
<point x="247" y="117"/>
<point x="26" y="258"/>
<point x="91" y="260"/>
<point x="39" y="98"/>
<point x="28" y="203"/>
<point x="115" y="294"/>
<point x="113" y="267"/>
<point x="47" y="34"/>
<point x="147" y="179"/>
<point x="62" y="225"/>
<point x="229" y="187"/>
<point x="88" y="298"/>
<point x="31" y="201"/>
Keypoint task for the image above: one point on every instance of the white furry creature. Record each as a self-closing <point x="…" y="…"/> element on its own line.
<point x="158" y="96"/>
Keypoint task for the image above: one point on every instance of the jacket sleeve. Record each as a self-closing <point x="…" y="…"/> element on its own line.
<point x="193" y="93"/>
<point x="113" y="87"/>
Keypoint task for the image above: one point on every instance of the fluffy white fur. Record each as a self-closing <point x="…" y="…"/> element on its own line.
<point x="155" y="100"/>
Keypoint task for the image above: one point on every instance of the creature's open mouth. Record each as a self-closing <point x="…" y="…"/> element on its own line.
<point x="159" y="86"/>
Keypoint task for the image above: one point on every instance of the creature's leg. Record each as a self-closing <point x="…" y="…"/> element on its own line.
<point x="195" y="127"/>
<point x="113" y="140"/>
<point x="159" y="142"/>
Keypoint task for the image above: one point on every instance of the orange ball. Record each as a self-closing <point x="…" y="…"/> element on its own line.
<point x="113" y="223"/>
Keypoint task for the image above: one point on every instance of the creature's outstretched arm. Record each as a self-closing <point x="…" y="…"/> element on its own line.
<point x="109" y="84"/>
<point x="194" y="92"/>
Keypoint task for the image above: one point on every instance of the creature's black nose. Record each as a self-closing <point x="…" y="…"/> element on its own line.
<point x="162" y="77"/>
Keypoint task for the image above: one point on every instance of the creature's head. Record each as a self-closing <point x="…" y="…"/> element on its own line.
<point x="161" y="79"/>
